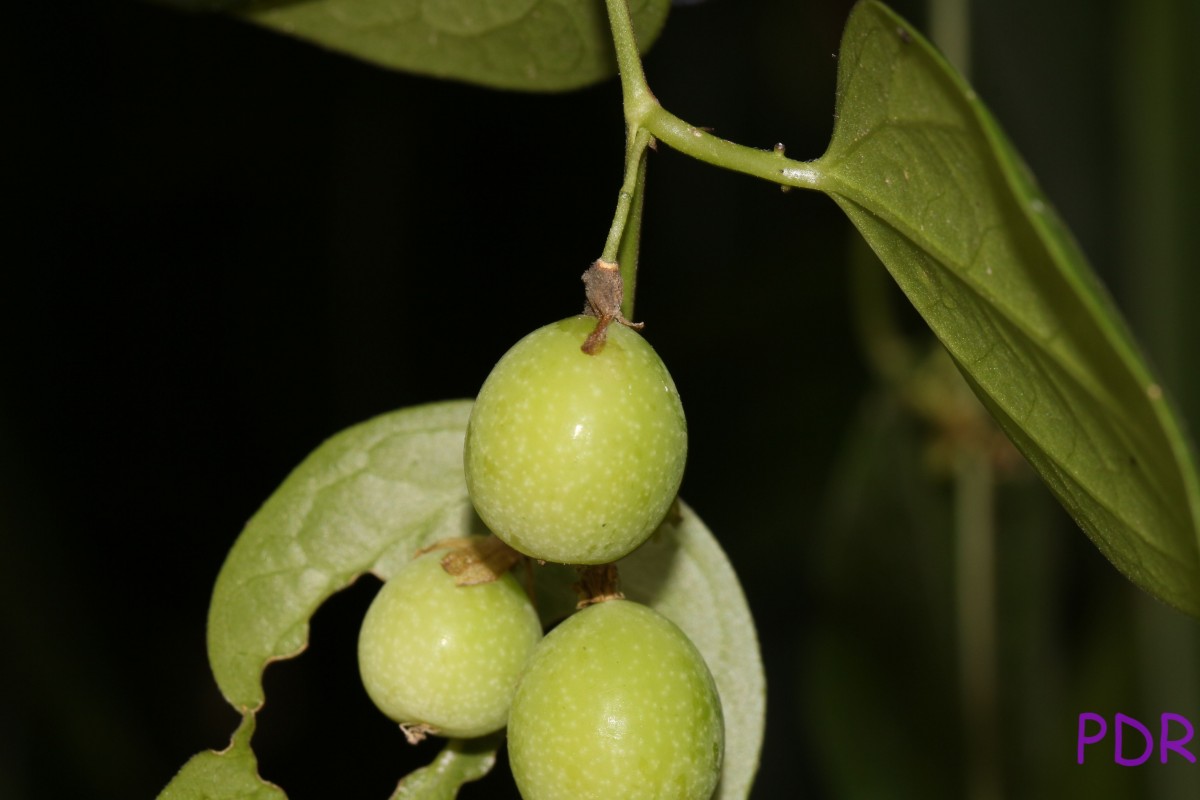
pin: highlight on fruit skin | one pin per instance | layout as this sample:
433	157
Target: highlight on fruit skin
616	702
442	658
576	458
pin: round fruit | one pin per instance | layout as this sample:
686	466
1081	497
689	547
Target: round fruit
616	702
446	657
576	458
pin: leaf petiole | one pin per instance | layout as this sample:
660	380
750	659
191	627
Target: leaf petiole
643	112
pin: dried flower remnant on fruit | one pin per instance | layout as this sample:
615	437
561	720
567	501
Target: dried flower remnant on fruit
440	658
605	290
415	732
598	584
575	458
474	561
616	702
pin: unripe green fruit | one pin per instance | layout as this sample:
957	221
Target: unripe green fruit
576	458
444	656
616	703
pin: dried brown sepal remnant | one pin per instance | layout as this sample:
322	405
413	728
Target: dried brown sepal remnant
475	560
415	732
598	584
604	290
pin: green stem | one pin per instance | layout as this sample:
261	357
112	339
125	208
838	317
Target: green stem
950	30
770	165
627	255
642	111
976	590
635	157
629	61
646	120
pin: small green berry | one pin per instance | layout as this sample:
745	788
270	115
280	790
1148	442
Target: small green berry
616	702
576	458
434	655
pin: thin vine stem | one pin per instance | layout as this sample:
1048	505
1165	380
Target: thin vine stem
627	255
646	120
634	89
643	111
975	533
770	165
635	154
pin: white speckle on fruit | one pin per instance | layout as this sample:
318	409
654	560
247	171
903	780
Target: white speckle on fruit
616	703
562	444
447	657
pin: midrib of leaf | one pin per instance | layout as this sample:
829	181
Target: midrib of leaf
1046	351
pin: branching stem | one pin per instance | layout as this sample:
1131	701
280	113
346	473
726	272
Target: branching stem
646	121
643	112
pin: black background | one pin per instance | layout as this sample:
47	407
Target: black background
230	245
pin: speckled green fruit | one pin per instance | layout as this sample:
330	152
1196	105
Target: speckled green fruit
616	703
576	458
446	656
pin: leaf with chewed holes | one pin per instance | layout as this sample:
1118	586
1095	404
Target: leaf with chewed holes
365	501
232	772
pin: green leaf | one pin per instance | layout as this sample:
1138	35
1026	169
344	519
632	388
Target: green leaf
231	773
532	45
932	183
460	761
364	501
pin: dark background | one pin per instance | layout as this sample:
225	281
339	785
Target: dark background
230	245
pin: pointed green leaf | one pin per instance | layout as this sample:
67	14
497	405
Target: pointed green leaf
531	45
364	501
461	761
230	773
930	180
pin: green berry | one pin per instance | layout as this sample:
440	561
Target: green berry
436	655
616	702
576	458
